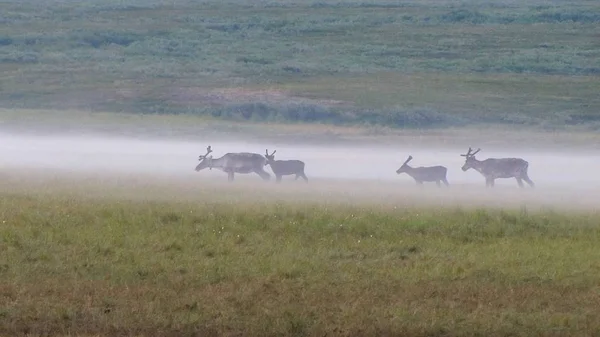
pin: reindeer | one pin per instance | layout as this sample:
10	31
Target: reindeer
422	174
494	168
285	167
231	163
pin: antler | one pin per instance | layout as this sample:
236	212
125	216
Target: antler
208	151
467	154
267	152
470	153
407	160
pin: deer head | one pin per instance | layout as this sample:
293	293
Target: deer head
270	157
205	160
469	159
404	166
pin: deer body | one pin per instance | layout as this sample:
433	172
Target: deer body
285	167
498	168
425	174
232	163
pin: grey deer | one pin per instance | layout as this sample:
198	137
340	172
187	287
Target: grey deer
494	168
285	167
422	174
231	163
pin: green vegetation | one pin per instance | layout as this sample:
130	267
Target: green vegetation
427	63
81	266
119	255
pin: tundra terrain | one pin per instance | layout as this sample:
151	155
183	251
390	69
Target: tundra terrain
106	229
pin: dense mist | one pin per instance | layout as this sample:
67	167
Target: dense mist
178	158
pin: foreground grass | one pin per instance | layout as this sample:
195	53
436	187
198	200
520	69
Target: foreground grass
99	267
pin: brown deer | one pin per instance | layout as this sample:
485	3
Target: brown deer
285	167
422	174
231	163
495	168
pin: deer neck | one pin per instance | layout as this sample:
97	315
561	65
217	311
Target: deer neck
477	165
216	163
409	170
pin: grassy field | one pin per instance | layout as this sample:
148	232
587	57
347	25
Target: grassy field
414	64
80	260
99	253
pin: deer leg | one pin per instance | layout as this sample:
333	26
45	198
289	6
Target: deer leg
278	179
230	176
530	182
301	175
263	174
445	181
489	182
438	183
527	180
520	182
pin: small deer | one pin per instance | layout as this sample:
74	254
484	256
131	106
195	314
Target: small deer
285	167
494	168
422	174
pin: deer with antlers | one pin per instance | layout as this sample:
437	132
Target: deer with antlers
425	174
495	168
231	163
285	167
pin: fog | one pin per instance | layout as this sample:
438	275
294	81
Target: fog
128	155
569	171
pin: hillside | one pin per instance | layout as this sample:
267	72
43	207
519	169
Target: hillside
428	63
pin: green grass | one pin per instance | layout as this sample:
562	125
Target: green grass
100	266
414	64
199	127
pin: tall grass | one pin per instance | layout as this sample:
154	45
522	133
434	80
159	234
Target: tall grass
72	266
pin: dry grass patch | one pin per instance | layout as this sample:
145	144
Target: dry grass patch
73	266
